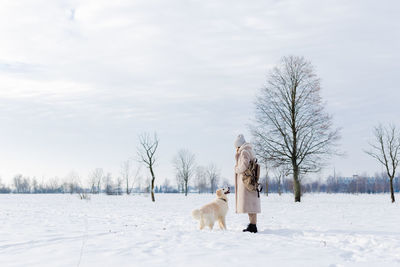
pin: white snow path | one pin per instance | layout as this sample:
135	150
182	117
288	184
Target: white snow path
322	230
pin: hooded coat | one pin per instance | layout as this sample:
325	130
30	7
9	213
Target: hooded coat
246	201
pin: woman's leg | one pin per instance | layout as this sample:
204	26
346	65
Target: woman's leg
252	227
253	218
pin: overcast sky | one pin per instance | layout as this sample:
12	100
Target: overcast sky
79	80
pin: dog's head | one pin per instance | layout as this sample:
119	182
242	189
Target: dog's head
222	192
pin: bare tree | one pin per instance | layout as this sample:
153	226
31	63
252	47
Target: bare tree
128	176
36	188
4	189
22	184
213	176
118	187
71	183
146	152
291	126
166	188
74	185
138	182
386	149
147	182
95	179
180	183
280	174
53	185
82	192
137	178
108	184
126	173
201	179
17	181
184	163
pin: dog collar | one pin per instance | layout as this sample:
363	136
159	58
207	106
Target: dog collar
222	199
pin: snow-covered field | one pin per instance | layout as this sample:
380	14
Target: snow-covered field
323	230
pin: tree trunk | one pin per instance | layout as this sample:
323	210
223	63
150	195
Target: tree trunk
186	188
266	181
152	184
391	189
296	184
279	188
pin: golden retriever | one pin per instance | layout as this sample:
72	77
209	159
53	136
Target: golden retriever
214	211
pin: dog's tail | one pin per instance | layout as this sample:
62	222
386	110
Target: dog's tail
196	214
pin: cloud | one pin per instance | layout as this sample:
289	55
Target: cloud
70	13
188	69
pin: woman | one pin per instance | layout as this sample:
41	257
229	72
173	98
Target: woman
246	201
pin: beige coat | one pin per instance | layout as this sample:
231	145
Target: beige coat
246	201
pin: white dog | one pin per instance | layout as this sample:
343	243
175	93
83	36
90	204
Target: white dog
214	211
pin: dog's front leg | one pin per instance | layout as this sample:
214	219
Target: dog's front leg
222	224
202	224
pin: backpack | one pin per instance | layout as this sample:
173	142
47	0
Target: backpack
251	177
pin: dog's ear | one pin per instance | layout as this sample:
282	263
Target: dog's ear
219	192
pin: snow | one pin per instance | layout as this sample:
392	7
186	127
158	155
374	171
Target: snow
322	230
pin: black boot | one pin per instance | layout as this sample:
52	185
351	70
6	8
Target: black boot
252	228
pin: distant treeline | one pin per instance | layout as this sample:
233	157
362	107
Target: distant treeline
106	184
355	184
